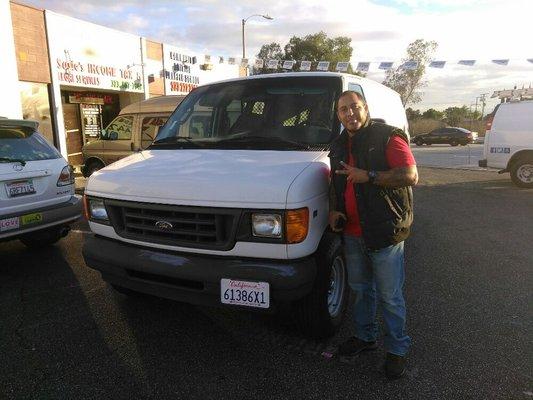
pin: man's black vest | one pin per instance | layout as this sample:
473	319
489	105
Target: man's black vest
385	214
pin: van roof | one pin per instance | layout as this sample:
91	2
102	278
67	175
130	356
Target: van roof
153	105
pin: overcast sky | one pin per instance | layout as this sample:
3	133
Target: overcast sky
380	30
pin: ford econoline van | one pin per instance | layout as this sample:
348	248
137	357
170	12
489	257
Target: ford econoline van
132	130
233	210
509	142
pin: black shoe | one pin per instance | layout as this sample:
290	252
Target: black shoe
354	346
394	366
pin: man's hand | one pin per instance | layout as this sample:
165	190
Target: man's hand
333	217
353	175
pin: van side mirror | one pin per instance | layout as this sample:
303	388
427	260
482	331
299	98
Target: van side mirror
102	135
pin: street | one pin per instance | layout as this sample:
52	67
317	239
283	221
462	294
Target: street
66	334
444	155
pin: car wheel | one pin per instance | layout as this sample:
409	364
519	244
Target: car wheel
321	312
419	142
454	143
522	173
44	238
92	167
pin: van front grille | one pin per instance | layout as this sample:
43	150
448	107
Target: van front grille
183	226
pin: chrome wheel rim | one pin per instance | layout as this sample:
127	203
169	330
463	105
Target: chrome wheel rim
525	173
337	284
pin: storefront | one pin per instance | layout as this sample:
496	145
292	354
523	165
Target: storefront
96	71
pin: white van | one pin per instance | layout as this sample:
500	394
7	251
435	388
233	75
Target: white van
234	213
509	143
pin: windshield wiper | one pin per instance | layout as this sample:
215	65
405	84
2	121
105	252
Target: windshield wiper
7	159
176	140
262	140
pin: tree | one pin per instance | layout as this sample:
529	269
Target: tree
412	115
433	114
455	115
408	82
314	48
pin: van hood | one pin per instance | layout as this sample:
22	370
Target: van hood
221	178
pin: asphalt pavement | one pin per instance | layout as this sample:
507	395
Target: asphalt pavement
65	334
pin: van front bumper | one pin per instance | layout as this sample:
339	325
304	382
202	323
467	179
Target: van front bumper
194	278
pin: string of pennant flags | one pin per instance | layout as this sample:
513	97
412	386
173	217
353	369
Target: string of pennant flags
342	66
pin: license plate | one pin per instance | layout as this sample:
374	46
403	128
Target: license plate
31	218
9	223
245	293
20	188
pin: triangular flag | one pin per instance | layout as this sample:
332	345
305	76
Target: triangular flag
501	61
363	66
305	65
468	63
288	64
342	66
386	65
322	66
259	63
530	60
409	65
437	64
272	64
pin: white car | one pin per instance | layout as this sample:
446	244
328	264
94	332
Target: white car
37	200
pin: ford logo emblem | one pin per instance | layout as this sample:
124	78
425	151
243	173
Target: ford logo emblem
18	167
164	225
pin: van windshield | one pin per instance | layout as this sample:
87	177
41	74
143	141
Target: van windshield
272	113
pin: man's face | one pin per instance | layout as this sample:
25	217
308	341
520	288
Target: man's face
352	112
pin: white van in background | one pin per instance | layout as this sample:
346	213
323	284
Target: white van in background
509	143
235	213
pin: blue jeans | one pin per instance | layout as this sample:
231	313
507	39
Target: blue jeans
378	277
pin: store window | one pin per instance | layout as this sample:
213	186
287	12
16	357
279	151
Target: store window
36	106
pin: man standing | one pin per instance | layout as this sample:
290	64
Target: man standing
371	201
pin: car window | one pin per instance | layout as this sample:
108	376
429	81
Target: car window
120	128
437	132
148	125
24	144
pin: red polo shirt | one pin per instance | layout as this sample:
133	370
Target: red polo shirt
398	154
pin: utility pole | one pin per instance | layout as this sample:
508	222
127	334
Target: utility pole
483	103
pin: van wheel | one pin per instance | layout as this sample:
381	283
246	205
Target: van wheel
92	167
321	312
522	173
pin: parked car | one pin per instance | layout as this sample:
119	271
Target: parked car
37	200
449	135
132	130
479	140
509	142
234	214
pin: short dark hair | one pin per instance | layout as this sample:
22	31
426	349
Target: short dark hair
347	92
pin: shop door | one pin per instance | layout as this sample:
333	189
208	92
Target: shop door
73	131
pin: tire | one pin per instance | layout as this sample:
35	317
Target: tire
419	142
522	173
92	167
454	143
44	238
321	312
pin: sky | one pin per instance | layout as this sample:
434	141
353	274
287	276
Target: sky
380	31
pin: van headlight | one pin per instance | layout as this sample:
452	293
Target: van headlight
96	210
267	225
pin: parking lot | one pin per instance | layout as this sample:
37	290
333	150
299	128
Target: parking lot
444	155
65	334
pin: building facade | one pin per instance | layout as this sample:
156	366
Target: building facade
74	77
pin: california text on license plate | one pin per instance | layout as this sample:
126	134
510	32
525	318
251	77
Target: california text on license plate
20	188
245	293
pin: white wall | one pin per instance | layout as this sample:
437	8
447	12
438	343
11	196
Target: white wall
10	104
